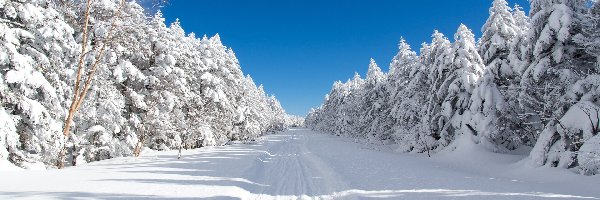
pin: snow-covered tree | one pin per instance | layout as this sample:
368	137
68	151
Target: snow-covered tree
528	81
554	60
493	107
408	99
576	139
36	51
498	32
101	128
352	106
343	111
520	54
435	57
153	86
590	33
465	67
373	102
558	63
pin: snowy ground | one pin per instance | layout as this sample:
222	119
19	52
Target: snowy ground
301	164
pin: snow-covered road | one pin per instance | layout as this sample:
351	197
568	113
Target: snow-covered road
296	164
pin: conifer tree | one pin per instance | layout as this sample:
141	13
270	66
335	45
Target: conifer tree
407	109
464	69
371	99
435	58
493	108
143	84
556	66
36	51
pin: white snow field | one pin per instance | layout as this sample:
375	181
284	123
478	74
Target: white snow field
302	164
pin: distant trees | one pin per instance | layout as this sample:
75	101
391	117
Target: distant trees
142	84
527	82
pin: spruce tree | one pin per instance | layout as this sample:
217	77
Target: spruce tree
493	110
558	63
435	58
408	98
464	69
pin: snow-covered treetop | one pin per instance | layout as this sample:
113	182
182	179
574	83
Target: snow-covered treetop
337	85
499	13
439	39
498	32
403	46
464	52
356	81
425	49
216	40
521	19
356	76
158	18
404	60
374	74
177	29
438	47
464	38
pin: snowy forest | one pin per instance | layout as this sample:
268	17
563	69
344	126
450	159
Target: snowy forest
530	83
133	81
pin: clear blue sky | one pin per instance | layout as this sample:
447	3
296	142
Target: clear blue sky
297	49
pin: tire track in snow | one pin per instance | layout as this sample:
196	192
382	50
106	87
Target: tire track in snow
291	170
296	164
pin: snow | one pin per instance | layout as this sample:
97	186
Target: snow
577	119
6	166
35	111
118	72
8	136
579	122
29	12
36	166
589	156
302	164
208	138
96	128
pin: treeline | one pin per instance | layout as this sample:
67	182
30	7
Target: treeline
154	85
529	81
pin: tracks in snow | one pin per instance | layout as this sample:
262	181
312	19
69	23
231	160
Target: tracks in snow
296	164
290	168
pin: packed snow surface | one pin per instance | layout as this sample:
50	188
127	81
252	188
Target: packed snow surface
302	164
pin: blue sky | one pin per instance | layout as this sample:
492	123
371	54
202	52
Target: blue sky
297	49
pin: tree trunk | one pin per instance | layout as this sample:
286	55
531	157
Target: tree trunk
79	92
